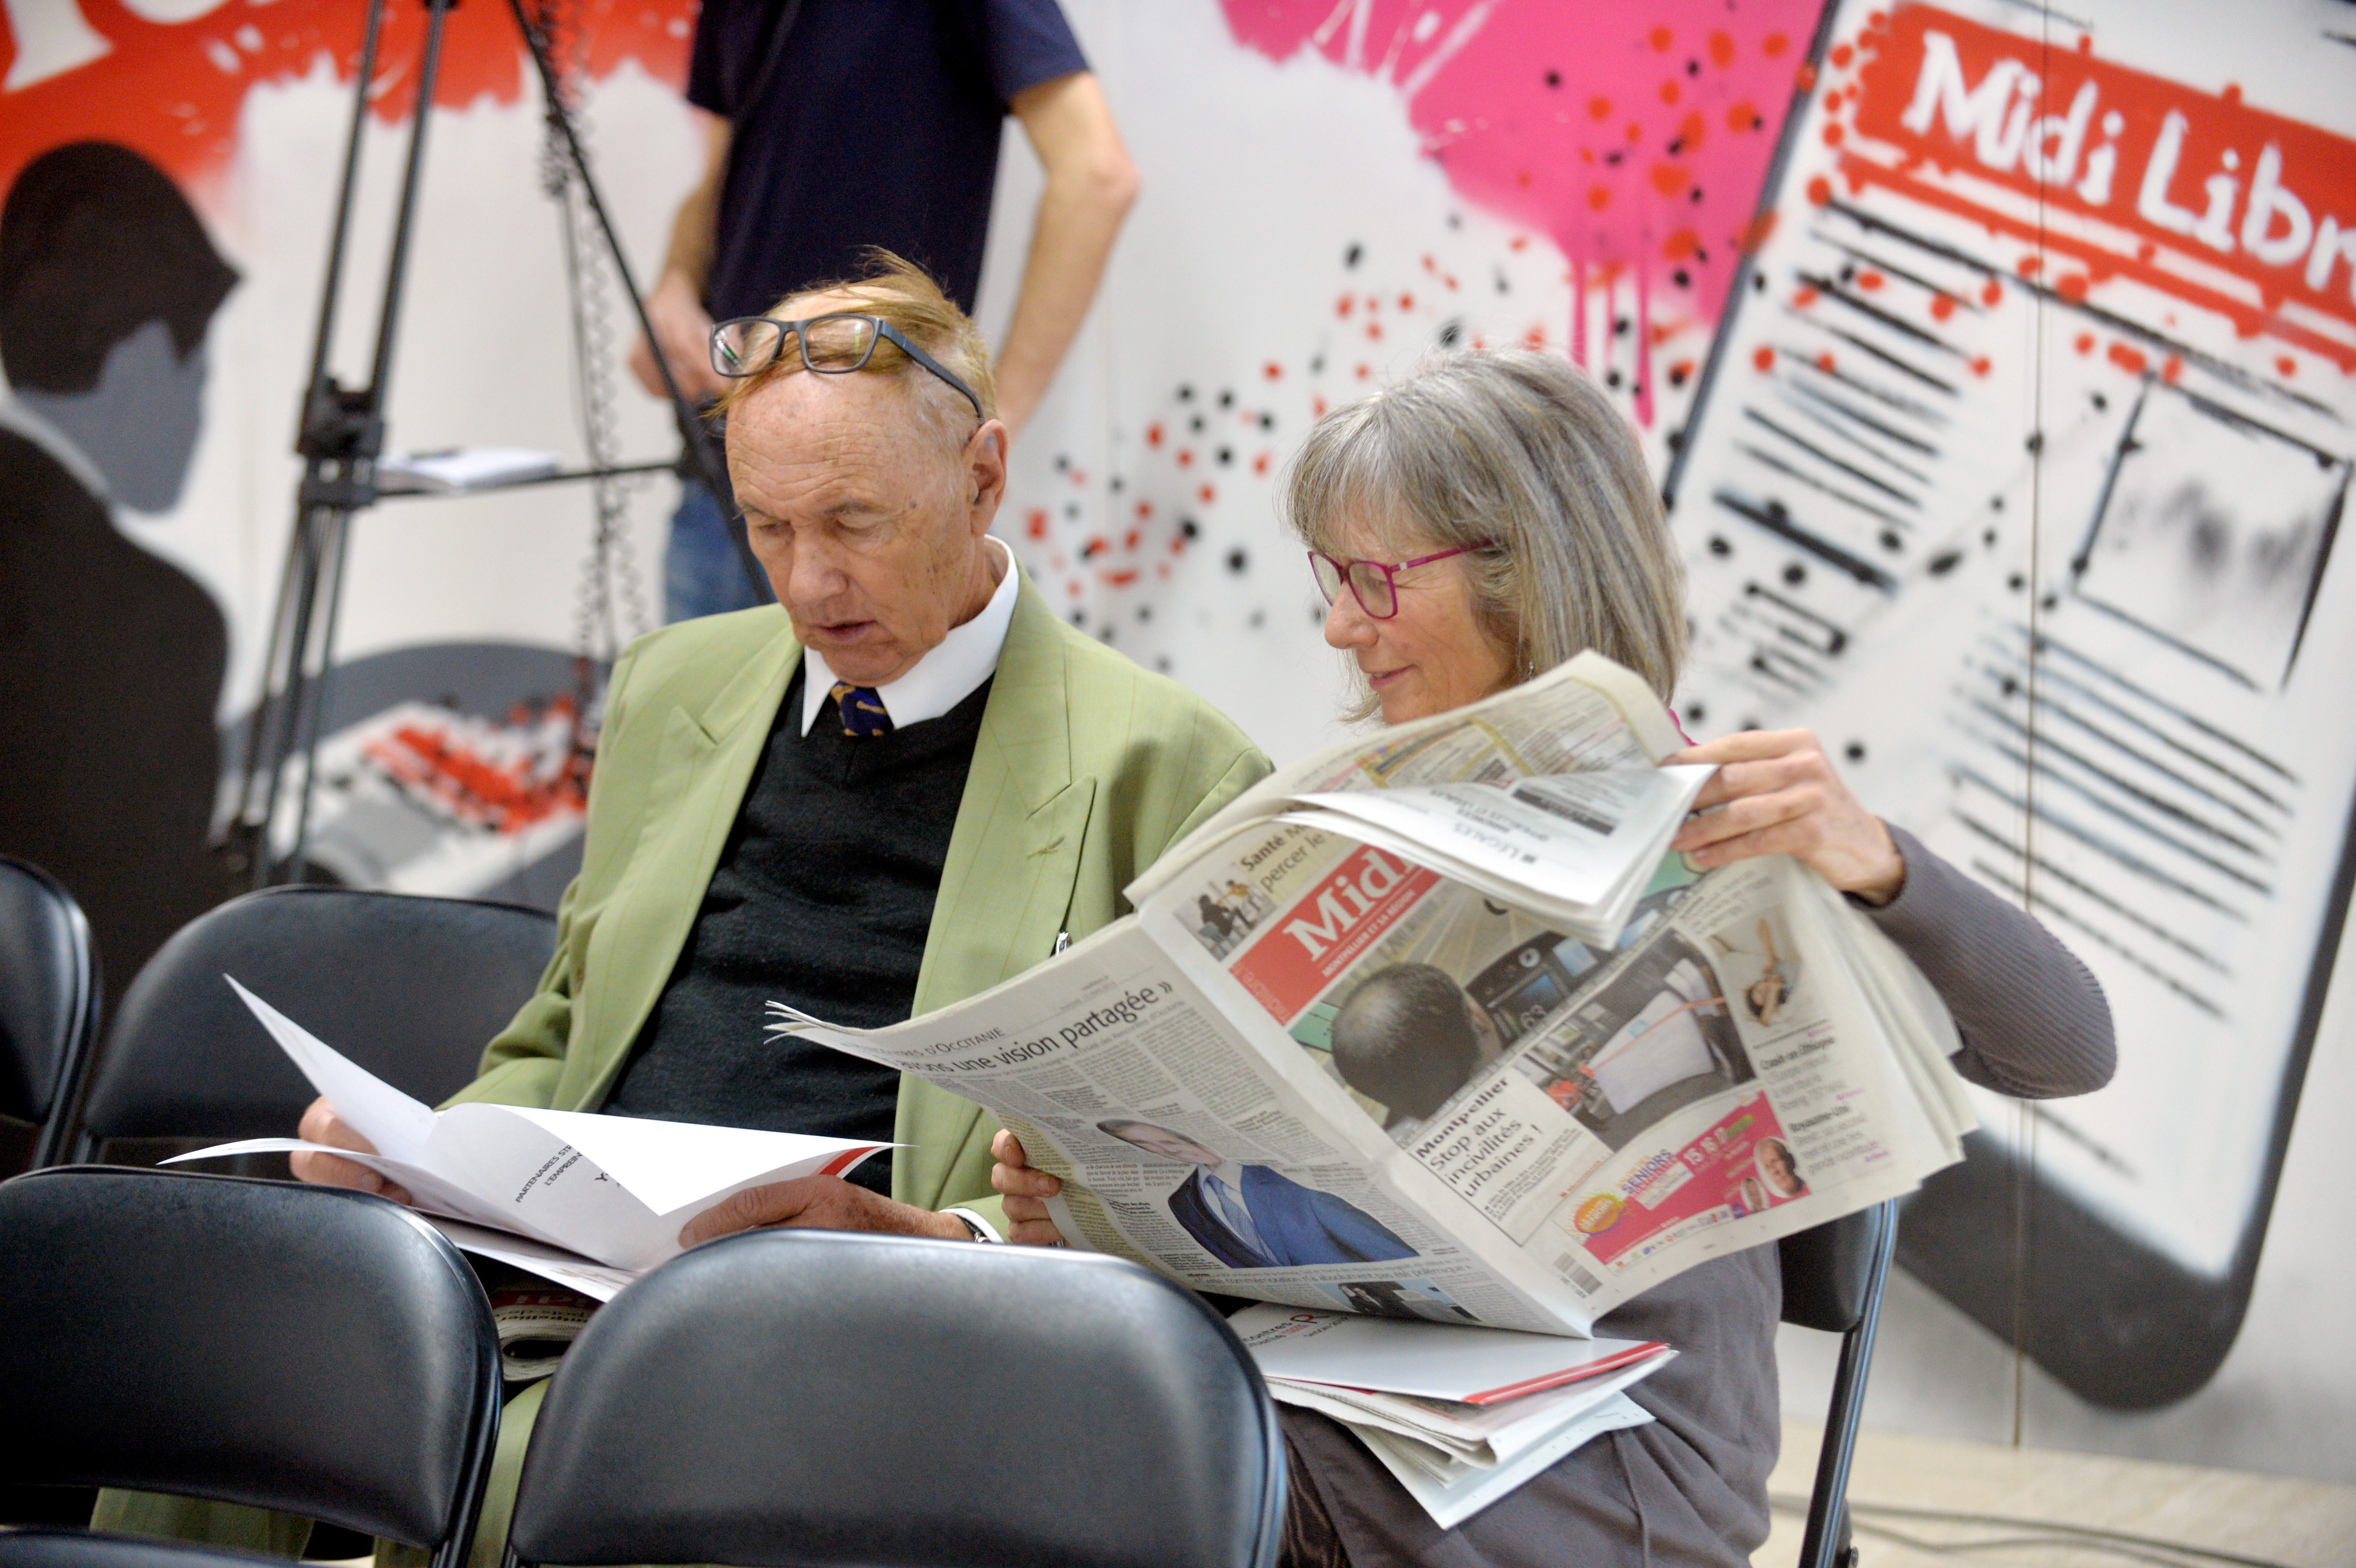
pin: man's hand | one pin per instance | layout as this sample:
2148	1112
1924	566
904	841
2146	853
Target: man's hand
684	329
1026	1191
818	1203
320	1125
1781	796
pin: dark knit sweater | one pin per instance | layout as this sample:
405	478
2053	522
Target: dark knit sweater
823	899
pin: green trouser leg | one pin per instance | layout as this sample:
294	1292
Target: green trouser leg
284	1535
498	1494
208	1523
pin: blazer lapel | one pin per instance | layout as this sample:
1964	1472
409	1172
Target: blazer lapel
704	766
1006	886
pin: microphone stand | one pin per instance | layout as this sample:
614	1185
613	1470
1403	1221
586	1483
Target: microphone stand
341	435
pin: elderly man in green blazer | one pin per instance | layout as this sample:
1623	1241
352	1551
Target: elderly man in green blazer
903	787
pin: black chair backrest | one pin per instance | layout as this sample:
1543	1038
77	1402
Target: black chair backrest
412	989
307	1349
801	1397
48	1002
1828	1271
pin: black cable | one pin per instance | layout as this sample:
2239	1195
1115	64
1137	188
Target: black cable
2138	1548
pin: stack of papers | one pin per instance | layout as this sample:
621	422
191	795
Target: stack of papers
462	468
1460	1416
558	1193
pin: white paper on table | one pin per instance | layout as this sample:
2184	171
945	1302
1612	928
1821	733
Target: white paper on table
1450	1503
1435	1360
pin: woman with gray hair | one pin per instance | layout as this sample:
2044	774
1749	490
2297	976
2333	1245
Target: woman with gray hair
1482	521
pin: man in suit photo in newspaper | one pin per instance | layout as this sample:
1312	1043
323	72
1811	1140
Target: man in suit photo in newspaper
1260	1219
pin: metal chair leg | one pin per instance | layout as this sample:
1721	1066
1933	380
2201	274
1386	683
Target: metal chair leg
1827	1543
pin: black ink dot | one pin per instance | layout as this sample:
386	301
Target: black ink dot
1613	158
2101	403
1258	619
1747	724
1185	394
1226	455
1317	365
1720	546
2010	686
1071	509
1611	380
1620	328
1227	399
1554	79
1089	551
1106	634
1063	464
1195	424
1681	278
1189	528
1891	541
1676	375
1268	421
1353	255
2051	601
1988	538
1116	484
1694	196
1758	282
1695	712
1995	503
1080	617
1162	664
1452	333
1145	612
1676	146
1317	615
2016	582
1795	574
1848	271
2036	441
1944	563
1693	68
1237	561
1456	221
1674	441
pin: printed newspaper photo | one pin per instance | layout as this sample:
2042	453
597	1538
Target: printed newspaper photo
1345	1059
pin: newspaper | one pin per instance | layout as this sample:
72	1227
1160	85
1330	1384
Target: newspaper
1363	1047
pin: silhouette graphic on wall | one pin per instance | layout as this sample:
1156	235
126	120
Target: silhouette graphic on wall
108	283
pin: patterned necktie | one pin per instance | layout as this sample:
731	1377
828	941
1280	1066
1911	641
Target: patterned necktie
862	710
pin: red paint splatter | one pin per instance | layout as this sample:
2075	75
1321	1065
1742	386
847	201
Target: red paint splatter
1669	179
1942	306
1670	92
1981	366
1763	358
2128	359
1870	280
1153	435
2071	286
2085	344
1208	494
2029	265
1721	49
1272	370
2286	366
1260	463
1743	117
1598	108
1820	191
1036	523
1662	38
1841	54
1805	296
1144	509
1186	457
2173	370
1824	363
1992	294
159	90
1774	44
1344	306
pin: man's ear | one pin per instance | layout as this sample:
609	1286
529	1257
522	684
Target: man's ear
985	468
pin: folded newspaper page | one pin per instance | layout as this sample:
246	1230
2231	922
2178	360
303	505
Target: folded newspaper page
616	1190
1366	1067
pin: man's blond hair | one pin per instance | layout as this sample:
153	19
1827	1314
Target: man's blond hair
904	294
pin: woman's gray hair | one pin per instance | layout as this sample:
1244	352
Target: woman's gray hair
1520	448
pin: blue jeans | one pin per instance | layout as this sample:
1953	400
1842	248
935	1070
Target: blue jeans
702	574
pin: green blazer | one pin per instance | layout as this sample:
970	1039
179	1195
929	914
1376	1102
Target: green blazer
1086	769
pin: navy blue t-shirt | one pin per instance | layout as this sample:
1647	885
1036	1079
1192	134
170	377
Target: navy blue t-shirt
879	126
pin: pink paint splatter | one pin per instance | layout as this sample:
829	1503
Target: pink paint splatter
1636	137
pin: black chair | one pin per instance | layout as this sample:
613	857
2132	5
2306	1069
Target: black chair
816	1398
412	989
307	1349
49	1004
1832	1280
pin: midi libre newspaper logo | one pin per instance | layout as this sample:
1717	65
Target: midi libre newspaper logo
1328	929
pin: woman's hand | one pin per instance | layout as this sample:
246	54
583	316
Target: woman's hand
1779	796
1026	1192
818	1203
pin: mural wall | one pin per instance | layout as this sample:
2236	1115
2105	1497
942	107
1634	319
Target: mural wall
2000	366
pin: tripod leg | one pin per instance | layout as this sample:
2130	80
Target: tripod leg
691	433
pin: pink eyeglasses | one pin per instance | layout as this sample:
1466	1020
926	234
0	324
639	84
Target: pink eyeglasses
1373	581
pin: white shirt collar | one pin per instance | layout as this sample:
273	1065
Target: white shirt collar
947	674
17	416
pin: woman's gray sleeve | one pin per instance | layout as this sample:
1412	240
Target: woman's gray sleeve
2034	1021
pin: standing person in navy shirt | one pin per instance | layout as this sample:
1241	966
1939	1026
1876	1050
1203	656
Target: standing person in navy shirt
833	125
